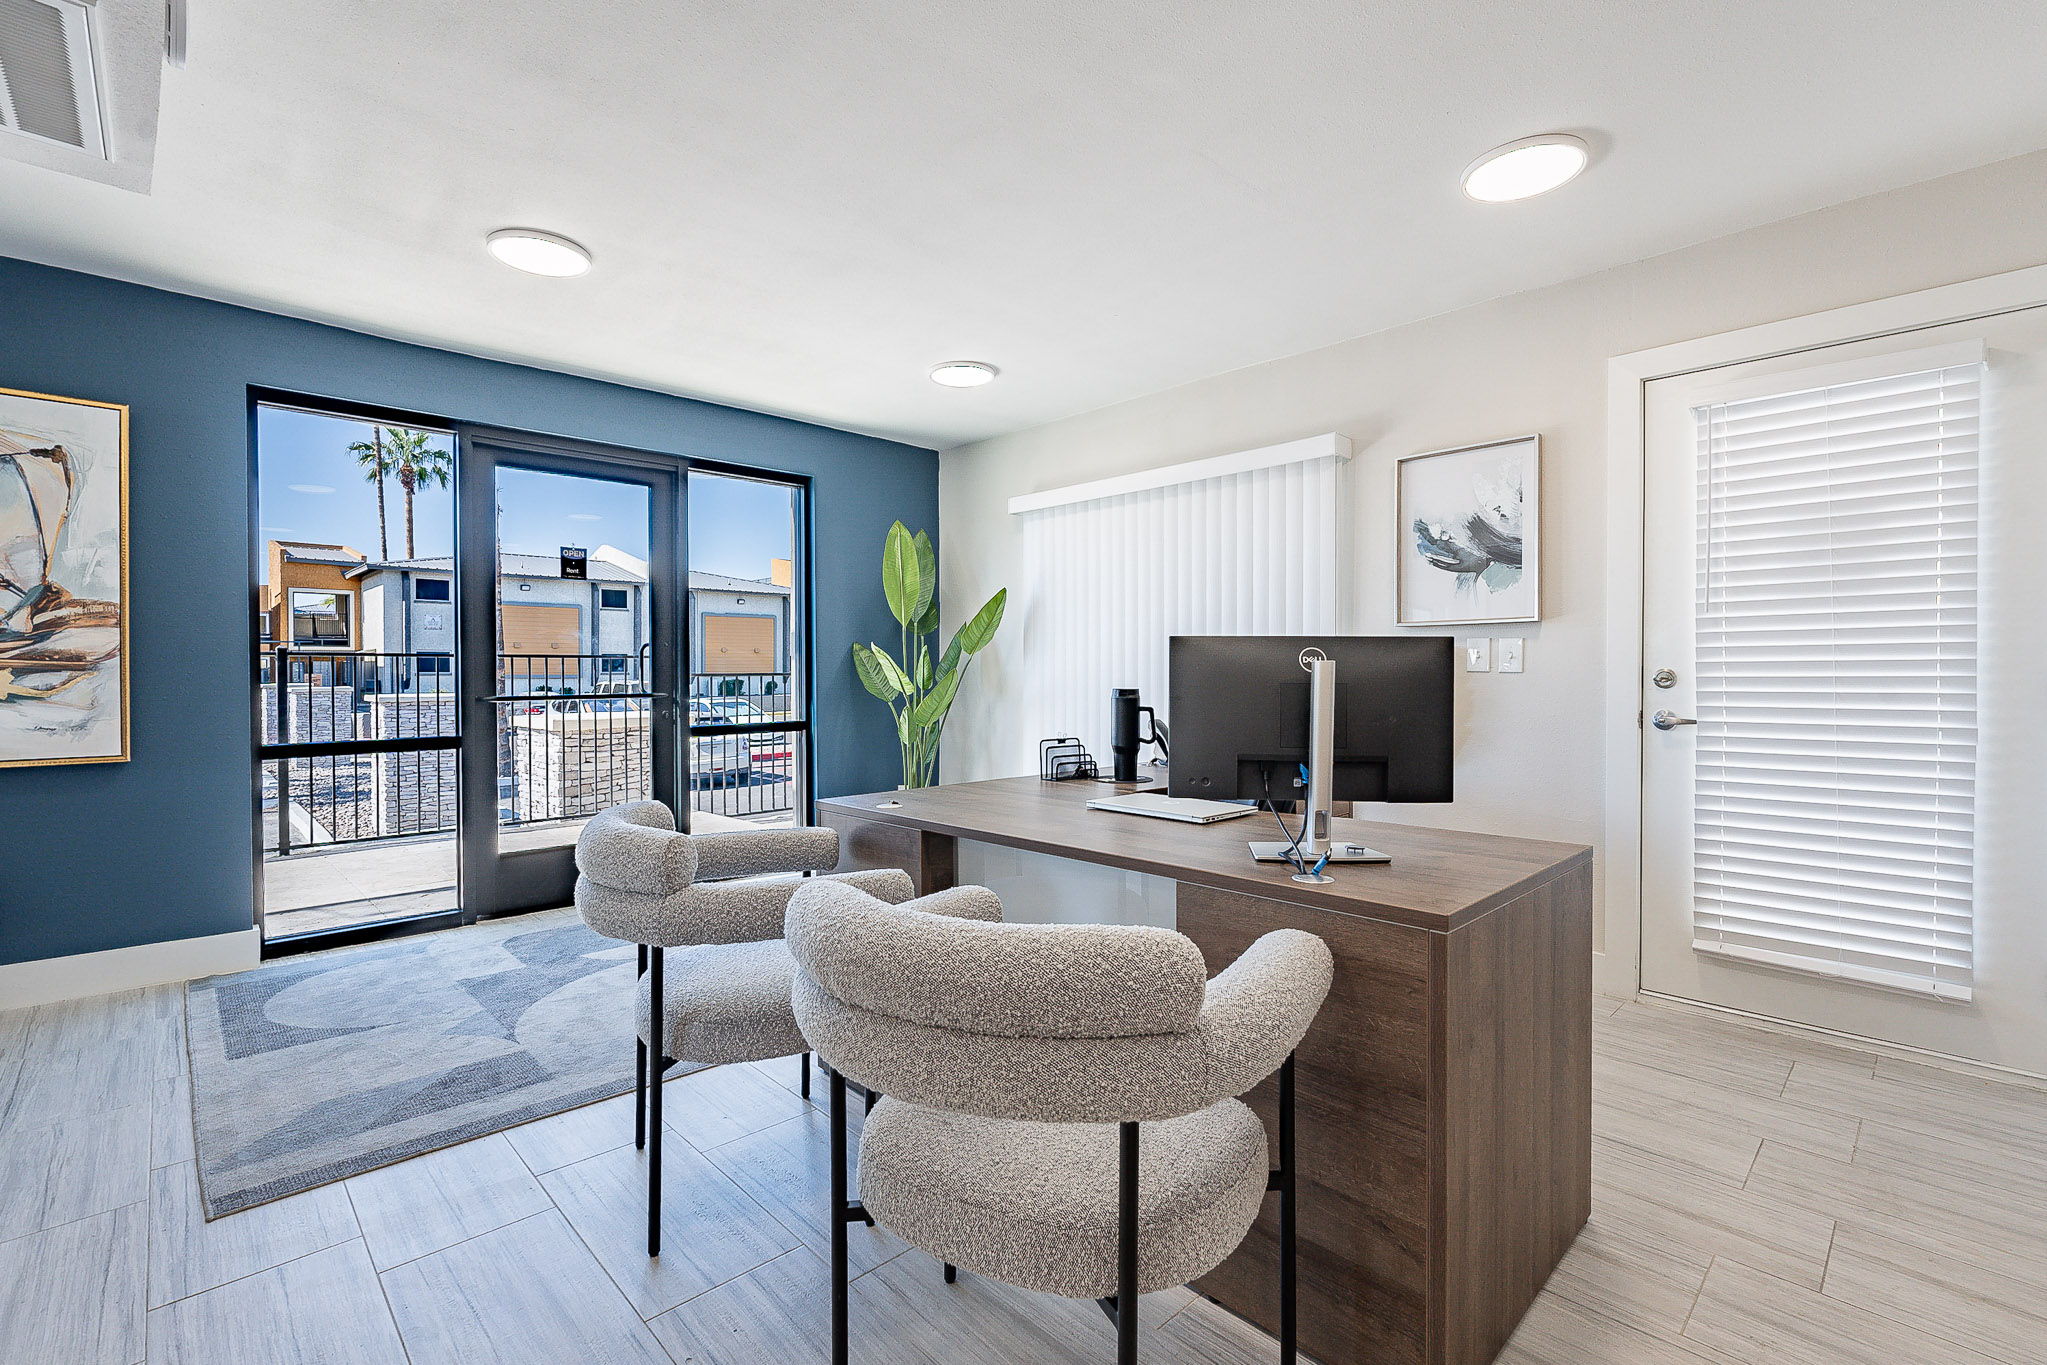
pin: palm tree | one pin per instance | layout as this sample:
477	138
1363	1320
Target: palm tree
418	463
376	465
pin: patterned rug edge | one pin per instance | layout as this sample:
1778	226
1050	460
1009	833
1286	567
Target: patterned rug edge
221	1203
241	1200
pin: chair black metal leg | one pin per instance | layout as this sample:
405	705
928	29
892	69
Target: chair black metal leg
806	1075
952	1273
640	1075
1288	1237
658	1034
840	1344
1126	1246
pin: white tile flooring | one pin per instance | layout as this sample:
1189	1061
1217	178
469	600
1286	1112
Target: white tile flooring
1758	1198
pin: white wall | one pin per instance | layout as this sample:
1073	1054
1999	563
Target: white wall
1529	746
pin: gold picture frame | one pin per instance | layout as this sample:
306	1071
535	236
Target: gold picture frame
65	693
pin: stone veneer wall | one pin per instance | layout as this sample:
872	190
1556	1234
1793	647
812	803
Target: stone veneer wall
578	765
318	714
414	792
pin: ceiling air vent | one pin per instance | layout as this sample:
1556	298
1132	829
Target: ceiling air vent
49	87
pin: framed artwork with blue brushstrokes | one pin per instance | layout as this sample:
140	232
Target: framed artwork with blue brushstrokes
63	580
1470	534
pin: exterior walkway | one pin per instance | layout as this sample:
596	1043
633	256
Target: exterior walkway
340	886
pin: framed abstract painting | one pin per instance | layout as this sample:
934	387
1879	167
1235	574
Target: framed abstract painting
63	580
1470	534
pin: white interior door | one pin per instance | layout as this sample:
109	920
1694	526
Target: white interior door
1846	564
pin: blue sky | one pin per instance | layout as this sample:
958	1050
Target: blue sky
312	489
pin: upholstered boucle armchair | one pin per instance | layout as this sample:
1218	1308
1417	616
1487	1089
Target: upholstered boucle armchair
726	998
1061	1108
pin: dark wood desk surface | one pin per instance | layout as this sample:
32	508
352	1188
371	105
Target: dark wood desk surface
1438	879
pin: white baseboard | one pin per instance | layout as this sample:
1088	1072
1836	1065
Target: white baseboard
123	969
1614	976
1944	1061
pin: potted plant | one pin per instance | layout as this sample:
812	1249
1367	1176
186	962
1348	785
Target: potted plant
919	685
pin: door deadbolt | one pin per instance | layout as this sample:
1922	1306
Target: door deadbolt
1664	678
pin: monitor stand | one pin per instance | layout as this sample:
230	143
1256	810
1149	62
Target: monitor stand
1314	844
1279	851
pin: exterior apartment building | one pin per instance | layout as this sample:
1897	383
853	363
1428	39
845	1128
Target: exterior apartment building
346	601
559	633
309	597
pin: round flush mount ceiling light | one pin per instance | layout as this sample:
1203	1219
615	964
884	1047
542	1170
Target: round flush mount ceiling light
537	252
963	374
1524	169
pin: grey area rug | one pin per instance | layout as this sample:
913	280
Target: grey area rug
312	1069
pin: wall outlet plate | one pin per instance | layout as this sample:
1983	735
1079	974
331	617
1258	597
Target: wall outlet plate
1478	656
1510	654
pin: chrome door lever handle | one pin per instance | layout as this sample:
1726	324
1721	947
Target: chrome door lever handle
1670	720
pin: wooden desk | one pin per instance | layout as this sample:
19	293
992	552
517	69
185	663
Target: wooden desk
1445	1092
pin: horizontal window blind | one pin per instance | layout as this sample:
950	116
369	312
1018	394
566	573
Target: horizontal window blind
1110	579
1836	658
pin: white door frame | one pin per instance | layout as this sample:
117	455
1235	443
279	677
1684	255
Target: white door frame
1618	968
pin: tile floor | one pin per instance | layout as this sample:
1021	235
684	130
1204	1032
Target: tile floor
1758	1198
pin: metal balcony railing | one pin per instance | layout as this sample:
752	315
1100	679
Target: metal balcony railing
363	745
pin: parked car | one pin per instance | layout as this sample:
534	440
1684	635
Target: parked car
717	758
740	711
595	706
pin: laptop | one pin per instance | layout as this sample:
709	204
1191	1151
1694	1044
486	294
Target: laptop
1160	807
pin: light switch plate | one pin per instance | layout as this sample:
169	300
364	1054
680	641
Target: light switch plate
1510	654
1478	656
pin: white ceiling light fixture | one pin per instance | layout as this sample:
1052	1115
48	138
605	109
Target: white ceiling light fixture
963	374
539	253
1524	169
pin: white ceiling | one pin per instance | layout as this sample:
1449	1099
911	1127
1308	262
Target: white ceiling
802	207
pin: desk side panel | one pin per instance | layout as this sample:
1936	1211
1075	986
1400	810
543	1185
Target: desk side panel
1362	1135
1517	1121
930	859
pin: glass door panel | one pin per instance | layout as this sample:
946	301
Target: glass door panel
573	649
573	659
748	712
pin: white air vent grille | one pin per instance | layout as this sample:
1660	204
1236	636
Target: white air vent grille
48	85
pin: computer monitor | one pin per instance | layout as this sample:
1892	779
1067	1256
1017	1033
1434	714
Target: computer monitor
1239	716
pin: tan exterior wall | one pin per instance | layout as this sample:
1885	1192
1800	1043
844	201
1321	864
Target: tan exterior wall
286	574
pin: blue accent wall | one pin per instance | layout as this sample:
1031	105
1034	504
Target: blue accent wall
108	855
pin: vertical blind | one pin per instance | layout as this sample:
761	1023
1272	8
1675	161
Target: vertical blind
1112	578
1836	657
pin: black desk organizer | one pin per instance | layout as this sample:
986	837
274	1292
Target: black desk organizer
1066	760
